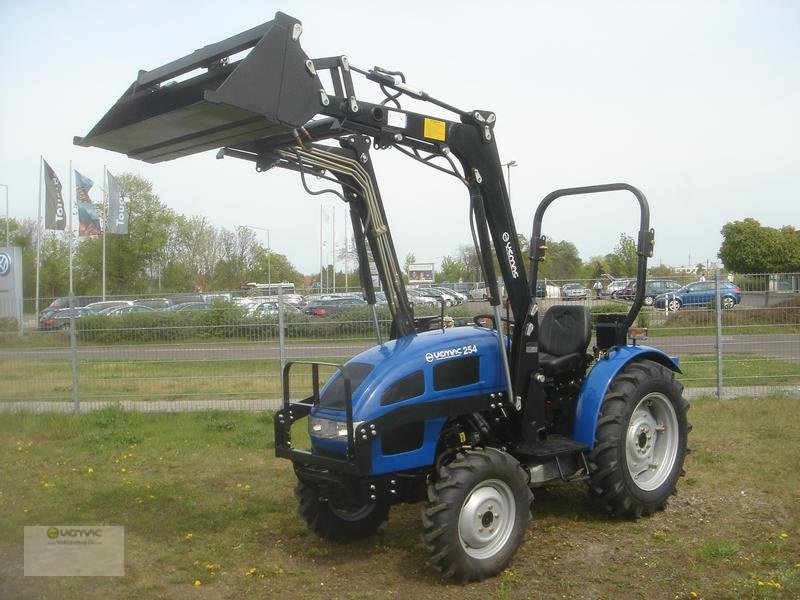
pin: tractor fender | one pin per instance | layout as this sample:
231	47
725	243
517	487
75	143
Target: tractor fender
599	379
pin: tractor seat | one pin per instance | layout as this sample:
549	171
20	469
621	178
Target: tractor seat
564	335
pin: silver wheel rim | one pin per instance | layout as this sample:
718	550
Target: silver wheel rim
727	302
487	518
651	442
674	305
648	301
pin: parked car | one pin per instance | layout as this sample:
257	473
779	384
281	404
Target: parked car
438	296
63	301
574	291
189	306
700	293
270	307
154	303
96	307
334	306
116	311
653	288
614	288
479	292
59	318
421	299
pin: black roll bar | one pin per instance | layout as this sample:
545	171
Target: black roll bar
644	247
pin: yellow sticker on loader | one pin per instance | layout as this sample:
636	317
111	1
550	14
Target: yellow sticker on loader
434	129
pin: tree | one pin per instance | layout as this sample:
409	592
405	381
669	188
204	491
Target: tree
275	266
54	265
236	258
661	271
623	260
134	262
561	261
192	254
596	267
749	247
453	270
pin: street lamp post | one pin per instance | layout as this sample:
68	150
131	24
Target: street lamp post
269	253
508	165
8	242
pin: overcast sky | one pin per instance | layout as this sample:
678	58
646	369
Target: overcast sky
695	103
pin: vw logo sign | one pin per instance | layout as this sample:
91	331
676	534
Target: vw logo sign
5	264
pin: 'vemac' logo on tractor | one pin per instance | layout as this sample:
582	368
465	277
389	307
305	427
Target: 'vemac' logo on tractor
512	262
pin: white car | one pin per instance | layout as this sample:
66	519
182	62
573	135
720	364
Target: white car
574	291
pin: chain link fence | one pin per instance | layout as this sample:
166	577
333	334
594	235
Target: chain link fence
223	355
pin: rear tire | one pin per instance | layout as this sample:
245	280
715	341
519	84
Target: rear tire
640	443
648	300
728	302
336	521
476	515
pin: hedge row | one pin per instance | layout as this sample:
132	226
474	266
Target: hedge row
228	321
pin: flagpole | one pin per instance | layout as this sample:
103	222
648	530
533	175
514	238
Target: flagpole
70	231
320	248
333	247
73	342
346	250
39	232
105	226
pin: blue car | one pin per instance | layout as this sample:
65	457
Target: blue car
700	293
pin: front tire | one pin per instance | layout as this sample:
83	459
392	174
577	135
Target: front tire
476	515
674	305
336	520
648	300
640	443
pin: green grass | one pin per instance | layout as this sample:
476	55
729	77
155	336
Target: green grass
734	523
146	380
738	370
258	379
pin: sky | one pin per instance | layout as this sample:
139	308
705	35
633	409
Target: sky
697	104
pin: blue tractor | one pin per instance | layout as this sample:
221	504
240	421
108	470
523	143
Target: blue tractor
466	419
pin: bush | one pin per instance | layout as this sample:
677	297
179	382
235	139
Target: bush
8	325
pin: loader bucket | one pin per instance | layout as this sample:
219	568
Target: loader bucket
267	93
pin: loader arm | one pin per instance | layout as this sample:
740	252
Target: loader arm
271	107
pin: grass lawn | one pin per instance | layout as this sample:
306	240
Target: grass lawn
36	380
202	499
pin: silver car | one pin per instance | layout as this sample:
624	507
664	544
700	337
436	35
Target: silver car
574	291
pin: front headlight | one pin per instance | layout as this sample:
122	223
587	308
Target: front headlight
328	428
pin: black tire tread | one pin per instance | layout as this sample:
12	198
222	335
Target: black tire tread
440	515
608	487
325	523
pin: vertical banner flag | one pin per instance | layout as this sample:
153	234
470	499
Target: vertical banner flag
55	215
117	209
89	222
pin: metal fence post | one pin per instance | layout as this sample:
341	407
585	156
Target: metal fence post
281	337
718	311
73	345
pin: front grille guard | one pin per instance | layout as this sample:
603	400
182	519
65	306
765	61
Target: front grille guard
357	458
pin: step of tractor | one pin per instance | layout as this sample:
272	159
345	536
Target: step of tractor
555	445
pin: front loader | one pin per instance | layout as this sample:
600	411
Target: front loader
466	419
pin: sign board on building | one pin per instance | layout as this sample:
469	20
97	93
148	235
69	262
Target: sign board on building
11	284
420	273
